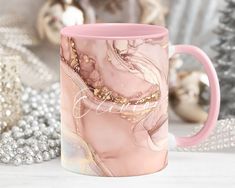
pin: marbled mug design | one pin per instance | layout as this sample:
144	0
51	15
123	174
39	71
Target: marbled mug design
114	105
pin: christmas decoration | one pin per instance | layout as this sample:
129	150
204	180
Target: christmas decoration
223	137
110	5
153	12
36	136
10	91
30	124
56	14
134	11
224	61
115	10
189	96
15	40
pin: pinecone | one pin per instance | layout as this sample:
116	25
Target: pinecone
225	59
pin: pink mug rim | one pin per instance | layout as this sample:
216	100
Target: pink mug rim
115	31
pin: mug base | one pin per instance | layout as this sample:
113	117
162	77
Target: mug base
73	170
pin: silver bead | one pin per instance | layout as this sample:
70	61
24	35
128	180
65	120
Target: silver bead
51	109
28	159
42	125
34	105
37	133
5	158
15	129
21	123
25	97
41	112
48	115
51	143
20	141
26	149
34	123
6	148
38	158
30	119
52	153
33	99
18	135
57	129
28	132
57	142
26	108
57	151
30	152
5	135
28	141
46	156
35	128
26	126
51	130
35	113
5	140
35	148
17	160
20	150
55	135
43	138
1	152
14	145
43	147
11	154
47	132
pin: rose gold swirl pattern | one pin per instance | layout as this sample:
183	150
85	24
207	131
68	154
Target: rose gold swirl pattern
84	66
100	142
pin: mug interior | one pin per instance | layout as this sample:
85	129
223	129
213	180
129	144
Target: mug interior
115	31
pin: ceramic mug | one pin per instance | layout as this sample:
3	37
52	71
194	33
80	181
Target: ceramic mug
114	98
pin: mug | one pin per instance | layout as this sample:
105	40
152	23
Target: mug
114	98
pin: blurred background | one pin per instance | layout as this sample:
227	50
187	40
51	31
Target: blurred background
29	49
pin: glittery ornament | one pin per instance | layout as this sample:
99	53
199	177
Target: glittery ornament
189	96
131	11
153	12
10	91
224	61
15	40
112	6
56	14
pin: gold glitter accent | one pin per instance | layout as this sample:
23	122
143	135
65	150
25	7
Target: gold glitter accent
85	58
103	93
74	61
10	91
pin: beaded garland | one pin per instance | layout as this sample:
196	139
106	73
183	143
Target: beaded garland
36	136
222	138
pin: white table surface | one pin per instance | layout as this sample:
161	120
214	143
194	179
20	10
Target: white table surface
197	170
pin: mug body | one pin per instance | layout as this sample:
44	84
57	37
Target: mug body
114	98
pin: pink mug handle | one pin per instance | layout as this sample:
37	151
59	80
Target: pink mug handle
214	94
